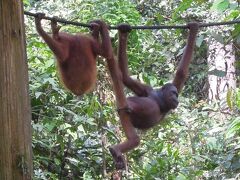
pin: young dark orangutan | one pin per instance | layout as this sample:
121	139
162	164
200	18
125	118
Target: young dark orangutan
149	106
76	54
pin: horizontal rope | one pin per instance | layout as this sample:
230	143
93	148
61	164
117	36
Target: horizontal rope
136	27
58	20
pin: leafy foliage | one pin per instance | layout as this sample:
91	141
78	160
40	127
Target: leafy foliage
71	134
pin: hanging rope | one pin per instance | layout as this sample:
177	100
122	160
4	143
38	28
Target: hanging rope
135	27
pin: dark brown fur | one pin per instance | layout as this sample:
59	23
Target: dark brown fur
78	72
76	54
149	106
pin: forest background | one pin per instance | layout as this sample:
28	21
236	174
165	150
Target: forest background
199	140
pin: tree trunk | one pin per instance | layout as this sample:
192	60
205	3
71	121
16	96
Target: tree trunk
222	76
15	117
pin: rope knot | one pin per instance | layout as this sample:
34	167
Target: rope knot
124	28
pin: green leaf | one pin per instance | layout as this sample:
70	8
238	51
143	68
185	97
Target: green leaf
199	40
238	97
57	161
234	14
38	94
217	72
229	98
220	5
218	37
26	2
236	32
236	164
182	7
50	125
181	177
